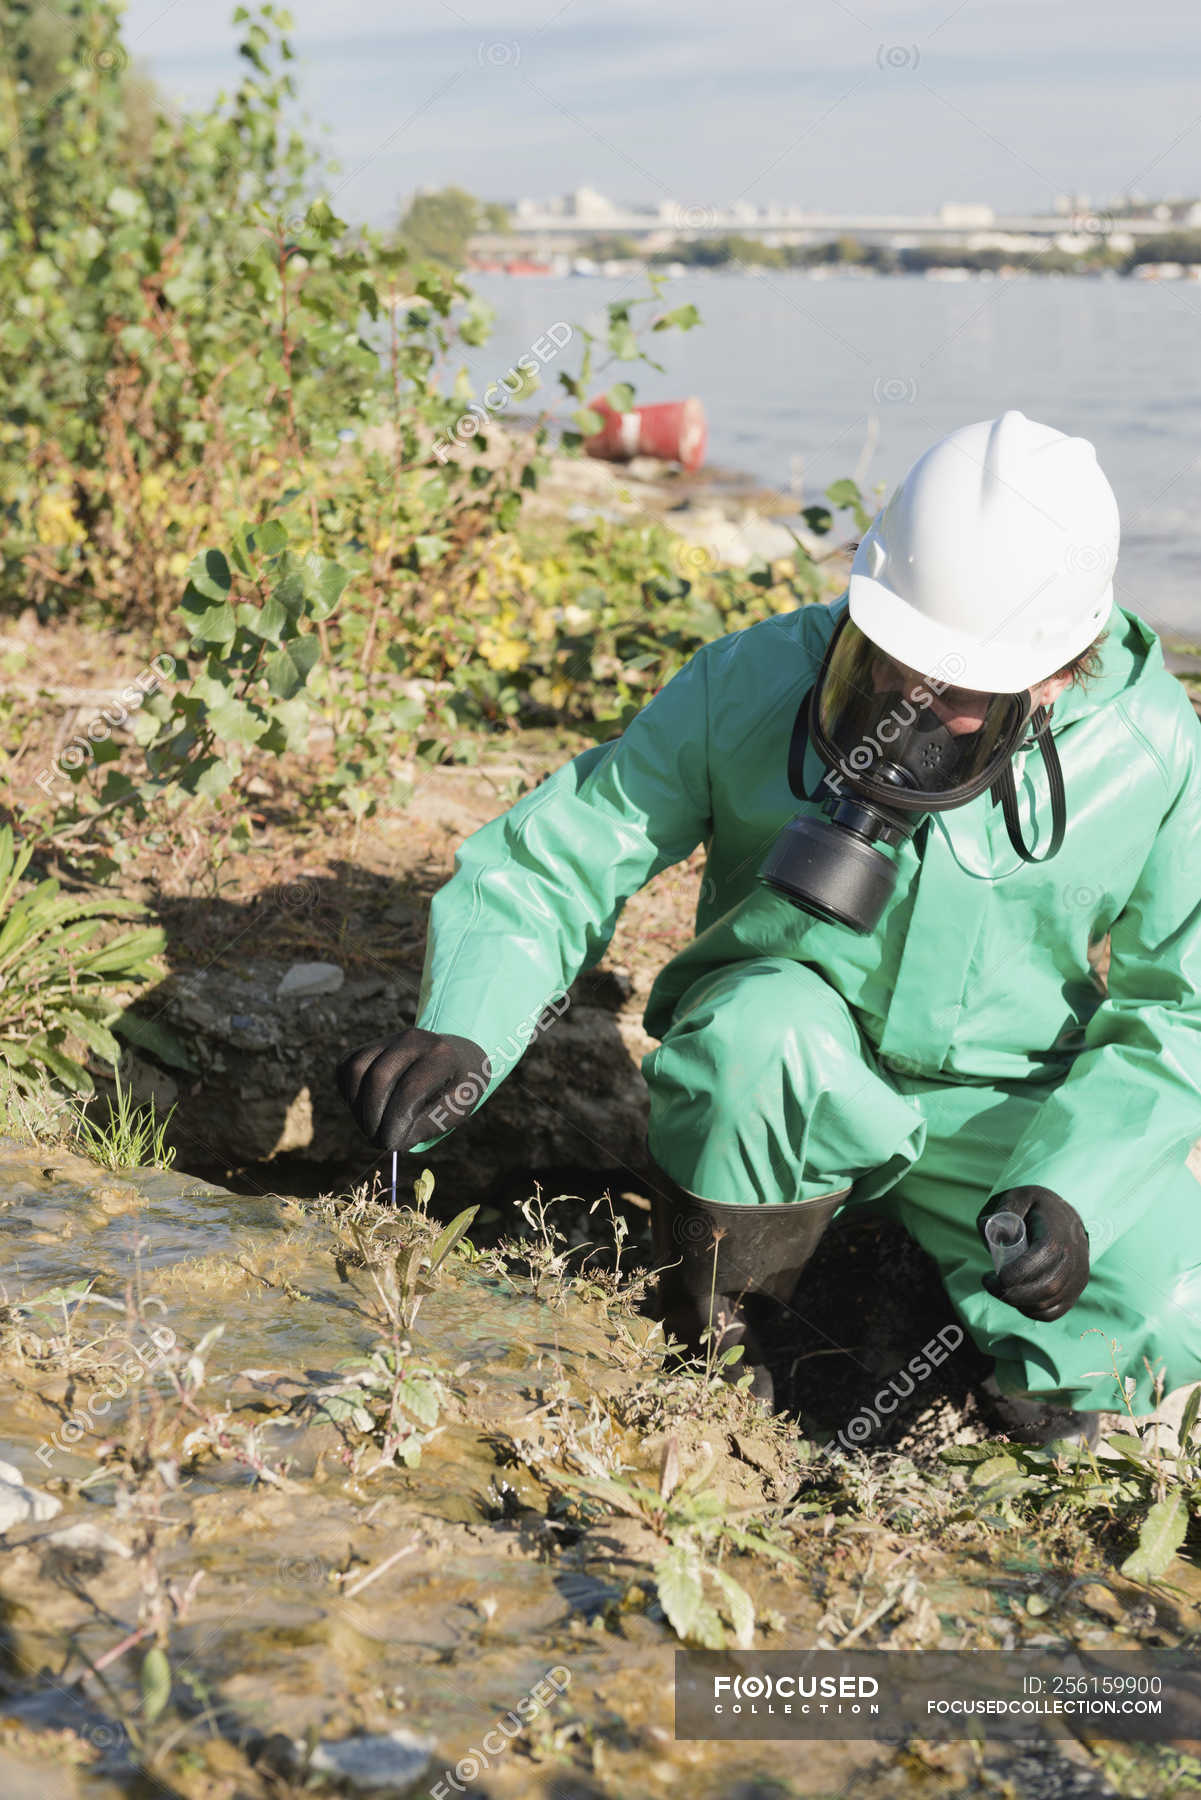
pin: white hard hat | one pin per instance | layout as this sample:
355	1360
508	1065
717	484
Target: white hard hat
992	564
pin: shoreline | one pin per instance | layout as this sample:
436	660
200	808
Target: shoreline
728	514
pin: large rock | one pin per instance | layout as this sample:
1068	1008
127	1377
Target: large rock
737	536
265	1049
21	1505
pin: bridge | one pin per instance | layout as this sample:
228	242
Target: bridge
543	230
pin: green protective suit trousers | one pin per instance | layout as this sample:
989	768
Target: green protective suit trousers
764	1089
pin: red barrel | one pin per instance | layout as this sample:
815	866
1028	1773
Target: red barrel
675	432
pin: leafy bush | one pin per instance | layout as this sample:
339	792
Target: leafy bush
60	975
254	402
213	338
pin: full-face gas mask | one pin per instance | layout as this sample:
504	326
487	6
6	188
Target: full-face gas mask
897	745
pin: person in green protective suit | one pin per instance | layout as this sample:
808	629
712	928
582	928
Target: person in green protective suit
940	1048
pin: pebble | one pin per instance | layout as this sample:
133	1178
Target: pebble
304	979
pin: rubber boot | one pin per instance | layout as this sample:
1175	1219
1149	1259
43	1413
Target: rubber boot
1025	1419
759	1250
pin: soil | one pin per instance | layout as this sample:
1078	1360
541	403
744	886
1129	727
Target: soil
318	1606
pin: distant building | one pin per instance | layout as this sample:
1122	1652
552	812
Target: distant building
959	215
591	208
566	223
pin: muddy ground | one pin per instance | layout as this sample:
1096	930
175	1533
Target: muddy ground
264	1575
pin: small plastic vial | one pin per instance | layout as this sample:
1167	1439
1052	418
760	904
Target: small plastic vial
1005	1235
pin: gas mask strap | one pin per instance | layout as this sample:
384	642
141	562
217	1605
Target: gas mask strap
798	744
1005	790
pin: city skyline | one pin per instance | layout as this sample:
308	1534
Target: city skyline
589	205
586	232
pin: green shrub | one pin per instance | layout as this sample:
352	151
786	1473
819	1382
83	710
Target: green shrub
62	972
248	400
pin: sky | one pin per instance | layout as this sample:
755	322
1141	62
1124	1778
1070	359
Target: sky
846	105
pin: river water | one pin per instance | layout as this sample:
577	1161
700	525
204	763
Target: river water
807	380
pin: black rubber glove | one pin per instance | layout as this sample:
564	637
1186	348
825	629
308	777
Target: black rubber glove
1051	1274
418	1085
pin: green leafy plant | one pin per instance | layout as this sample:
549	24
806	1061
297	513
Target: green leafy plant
62	972
252	615
404	1277
1128	1482
1160	1535
254	401
697	1524
393	1399
623	344
680	1579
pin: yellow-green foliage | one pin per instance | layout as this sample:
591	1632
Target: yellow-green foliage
61	970
212	384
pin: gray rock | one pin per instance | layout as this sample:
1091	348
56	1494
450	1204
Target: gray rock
305	979
648	468
85	1535
387	1762
21	1505
582	515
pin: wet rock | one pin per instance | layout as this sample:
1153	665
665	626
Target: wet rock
112	1198
1051	1776
286	1632
388	1762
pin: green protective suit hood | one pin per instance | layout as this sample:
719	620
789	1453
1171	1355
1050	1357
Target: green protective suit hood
978	974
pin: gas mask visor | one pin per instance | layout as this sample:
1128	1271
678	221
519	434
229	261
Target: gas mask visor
897	746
